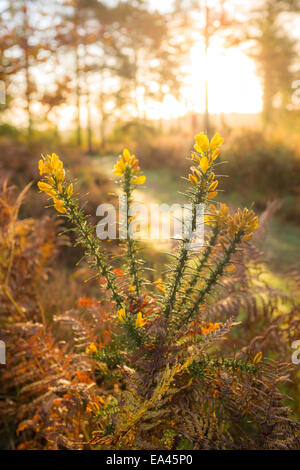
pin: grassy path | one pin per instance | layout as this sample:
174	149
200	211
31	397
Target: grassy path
282	244
161	187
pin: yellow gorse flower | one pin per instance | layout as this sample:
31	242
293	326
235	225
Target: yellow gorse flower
91	349
203	145
160	285
70	190
218	216
215	154
204	164
140	321
122	315
195	176
51	168
213	186
257	358
207	152
46	188
127	161
216	142
59	206
243	222
50	164
139	179
230	269
120	167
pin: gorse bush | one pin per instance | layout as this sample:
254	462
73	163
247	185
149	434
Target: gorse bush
196	358
175	387
265	168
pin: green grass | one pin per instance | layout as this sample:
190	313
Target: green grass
165	186
282	244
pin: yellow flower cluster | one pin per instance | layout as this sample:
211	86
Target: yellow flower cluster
129	161
243	222
210	185
218	216
51	168
207	154
195	176
50	164
203	145
139	322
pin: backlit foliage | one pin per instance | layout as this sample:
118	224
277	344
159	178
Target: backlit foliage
179	362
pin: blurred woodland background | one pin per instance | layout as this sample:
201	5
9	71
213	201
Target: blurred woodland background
86	78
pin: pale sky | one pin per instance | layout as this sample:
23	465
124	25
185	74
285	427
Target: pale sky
233	83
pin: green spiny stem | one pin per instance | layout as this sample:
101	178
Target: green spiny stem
198	197
215	274
91	246
131	244
134	335
179	270
205	255
198	368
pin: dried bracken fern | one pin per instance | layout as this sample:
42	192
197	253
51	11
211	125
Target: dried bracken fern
46	386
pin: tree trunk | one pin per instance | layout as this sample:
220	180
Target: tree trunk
102	104
78	132
88	104
89	125
28	95
102	122
27	72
